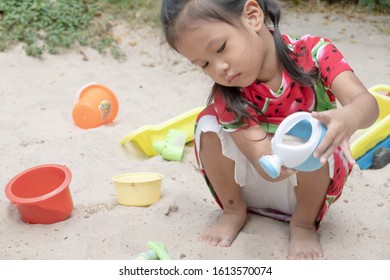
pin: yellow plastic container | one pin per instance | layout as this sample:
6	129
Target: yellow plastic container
138	189
145	136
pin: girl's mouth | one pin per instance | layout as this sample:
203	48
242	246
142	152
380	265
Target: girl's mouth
232	78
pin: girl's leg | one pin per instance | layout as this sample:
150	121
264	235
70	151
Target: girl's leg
220	172
310	192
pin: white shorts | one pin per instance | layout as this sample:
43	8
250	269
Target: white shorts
258	193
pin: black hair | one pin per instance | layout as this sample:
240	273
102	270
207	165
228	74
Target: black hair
229	11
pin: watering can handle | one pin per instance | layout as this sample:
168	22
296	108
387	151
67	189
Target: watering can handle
290	122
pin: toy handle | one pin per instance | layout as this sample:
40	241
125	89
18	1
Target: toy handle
297	125
288	123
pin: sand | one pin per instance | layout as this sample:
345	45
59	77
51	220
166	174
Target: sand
154	85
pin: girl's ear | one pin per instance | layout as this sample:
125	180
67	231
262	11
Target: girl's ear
253	15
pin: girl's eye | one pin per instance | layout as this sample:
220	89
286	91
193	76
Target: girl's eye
205	65
221	48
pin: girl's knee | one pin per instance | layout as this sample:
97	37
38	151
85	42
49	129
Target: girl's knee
315	177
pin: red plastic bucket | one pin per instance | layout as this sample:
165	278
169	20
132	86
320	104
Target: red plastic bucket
41	194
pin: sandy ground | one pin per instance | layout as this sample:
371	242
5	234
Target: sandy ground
154	85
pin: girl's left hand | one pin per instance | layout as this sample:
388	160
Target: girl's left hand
338	134
286	172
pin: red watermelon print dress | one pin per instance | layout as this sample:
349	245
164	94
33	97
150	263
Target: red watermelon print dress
312	52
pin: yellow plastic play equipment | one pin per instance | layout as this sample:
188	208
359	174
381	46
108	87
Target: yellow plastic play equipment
379	133
145	136
138	189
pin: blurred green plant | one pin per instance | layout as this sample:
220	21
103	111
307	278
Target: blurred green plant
47	25
135	11
378	5
381	5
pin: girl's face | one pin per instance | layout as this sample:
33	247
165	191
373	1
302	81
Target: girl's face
231	56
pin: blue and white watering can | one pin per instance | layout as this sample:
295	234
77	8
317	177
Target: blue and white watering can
299	157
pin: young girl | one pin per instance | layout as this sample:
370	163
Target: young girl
261	77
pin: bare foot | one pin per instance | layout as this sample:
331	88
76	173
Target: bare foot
225	230
304	244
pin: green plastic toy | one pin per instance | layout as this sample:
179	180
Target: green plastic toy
157	252
173	146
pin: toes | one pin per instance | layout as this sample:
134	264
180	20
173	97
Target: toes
315	255
225	242
215	240
209	239
292	257
318	255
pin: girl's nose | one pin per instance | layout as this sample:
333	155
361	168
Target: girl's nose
222	67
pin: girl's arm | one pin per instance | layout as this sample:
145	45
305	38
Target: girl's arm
250	143
359	110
